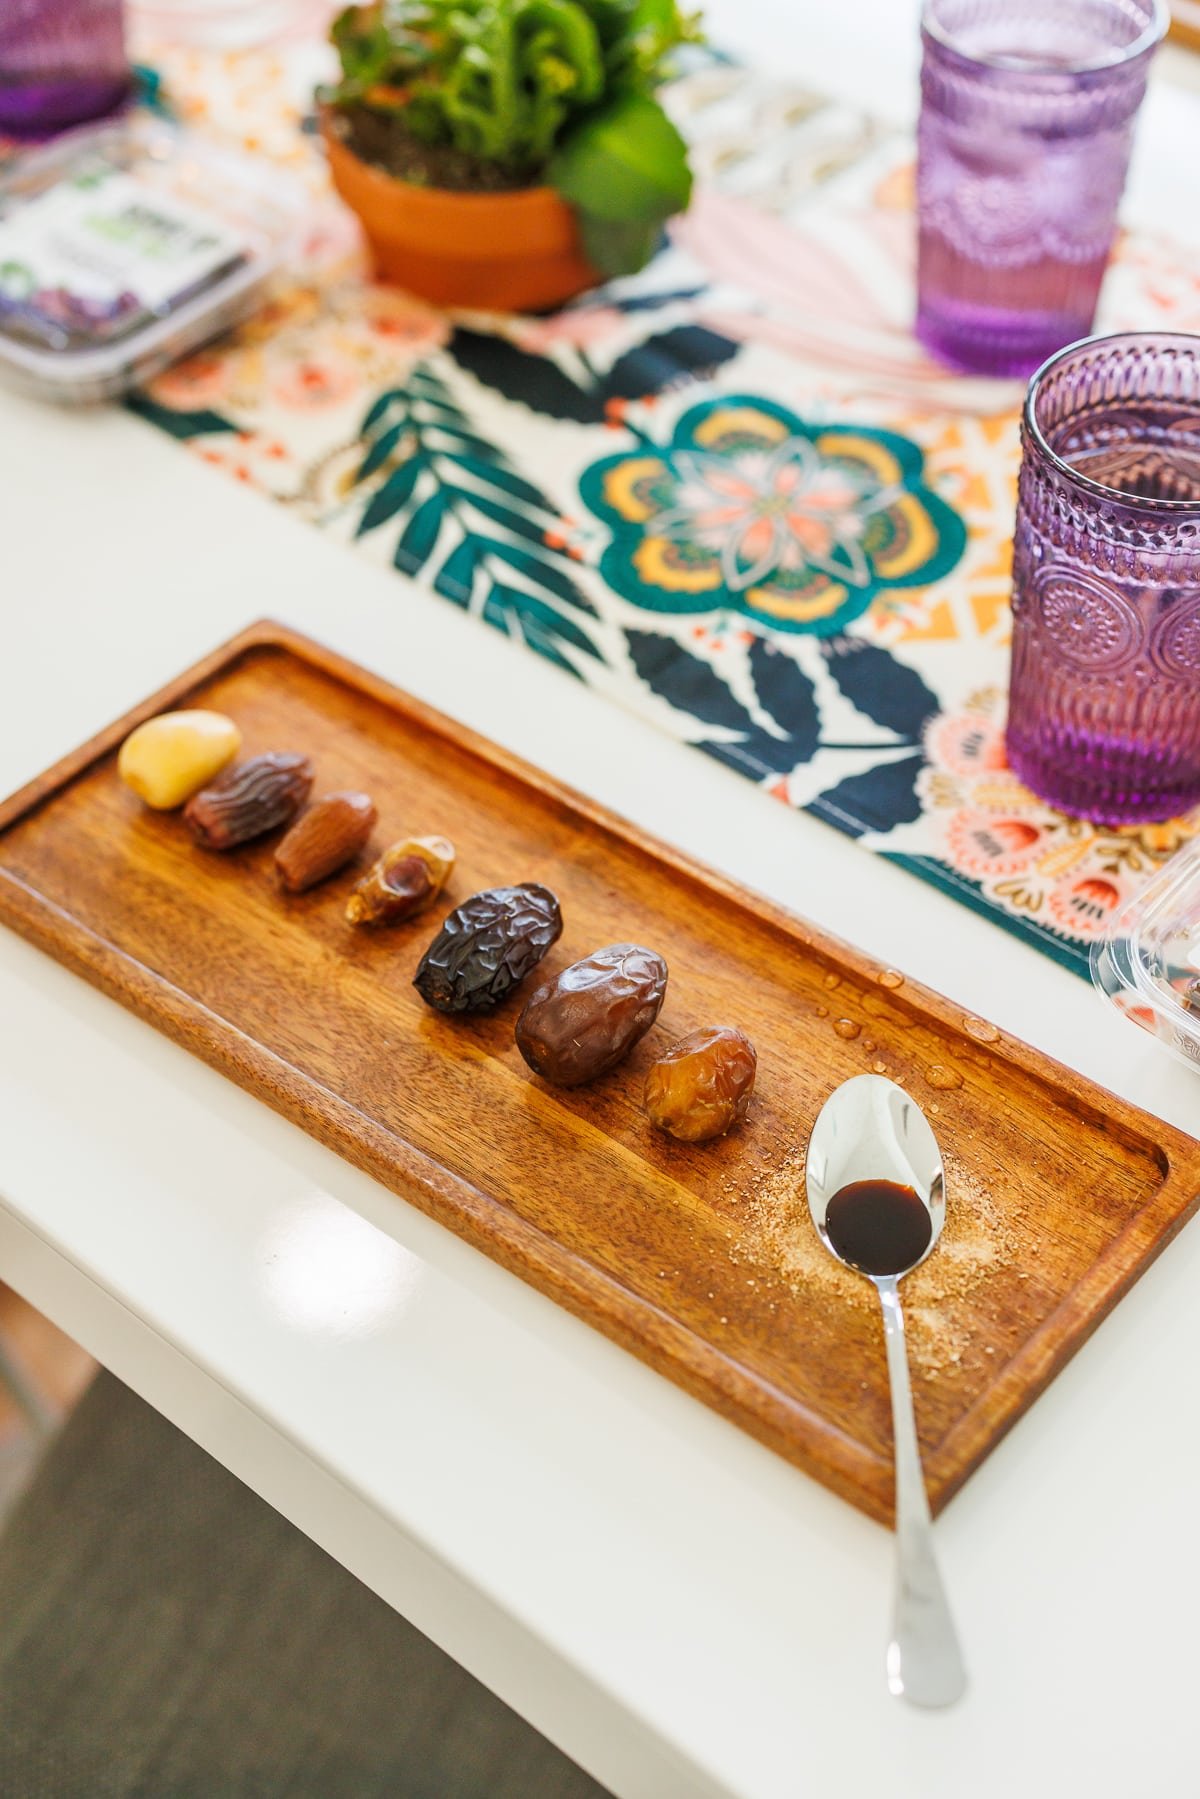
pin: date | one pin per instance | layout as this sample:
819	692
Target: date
584	1022
169	758
249	799
701	1087
324	839
486	946
405	879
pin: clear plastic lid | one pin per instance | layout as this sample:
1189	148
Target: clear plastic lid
1149	964
125	246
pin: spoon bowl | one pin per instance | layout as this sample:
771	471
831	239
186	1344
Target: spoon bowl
871	1130
877	1195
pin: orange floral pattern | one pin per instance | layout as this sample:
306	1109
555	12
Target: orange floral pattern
1059	871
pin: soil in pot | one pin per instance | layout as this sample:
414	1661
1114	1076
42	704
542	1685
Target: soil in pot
381	139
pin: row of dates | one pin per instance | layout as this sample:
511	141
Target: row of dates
572	1029
586	1020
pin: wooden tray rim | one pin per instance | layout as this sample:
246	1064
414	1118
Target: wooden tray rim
797	1431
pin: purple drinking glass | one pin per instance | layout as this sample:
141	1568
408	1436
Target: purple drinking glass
1104	703
1027	110
61	61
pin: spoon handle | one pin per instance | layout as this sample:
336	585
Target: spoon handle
924	1662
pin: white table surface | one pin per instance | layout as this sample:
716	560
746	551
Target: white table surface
679	1609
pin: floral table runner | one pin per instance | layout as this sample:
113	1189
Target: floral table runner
730	493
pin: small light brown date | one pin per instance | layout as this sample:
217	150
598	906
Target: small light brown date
585	1021
701	1087
249	799
405	878
324	839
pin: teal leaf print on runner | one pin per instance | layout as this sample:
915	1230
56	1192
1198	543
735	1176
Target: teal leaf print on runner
786	693
686	681
395	493
531	379
467	520
783	691
875	800
180	425
531	621
883	688
420	534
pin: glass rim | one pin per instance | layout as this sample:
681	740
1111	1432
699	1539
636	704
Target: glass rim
1087	483
1155	31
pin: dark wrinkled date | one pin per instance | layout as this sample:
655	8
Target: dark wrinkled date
249	799
486	946
583	1023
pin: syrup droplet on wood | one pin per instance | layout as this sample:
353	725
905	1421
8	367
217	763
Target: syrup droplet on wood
888	977
943	1078
980	1029
846	1027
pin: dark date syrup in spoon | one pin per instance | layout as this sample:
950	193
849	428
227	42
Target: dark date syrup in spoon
879	1227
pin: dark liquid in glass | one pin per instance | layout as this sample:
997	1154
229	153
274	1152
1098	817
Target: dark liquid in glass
880	1227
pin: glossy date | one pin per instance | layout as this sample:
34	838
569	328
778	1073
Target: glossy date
486	946
701	1087
584	1022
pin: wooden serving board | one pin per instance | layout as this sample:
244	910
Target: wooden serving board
699	1259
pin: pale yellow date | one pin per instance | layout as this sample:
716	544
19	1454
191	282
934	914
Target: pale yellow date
169	758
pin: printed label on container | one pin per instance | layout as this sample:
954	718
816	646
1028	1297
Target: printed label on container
95	249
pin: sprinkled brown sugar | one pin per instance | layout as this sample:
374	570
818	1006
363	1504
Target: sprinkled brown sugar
781	1236
979	1241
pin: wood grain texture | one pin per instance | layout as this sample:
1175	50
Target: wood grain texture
699	1259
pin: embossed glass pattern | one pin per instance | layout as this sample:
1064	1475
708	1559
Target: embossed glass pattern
60	61
1027	110
1104	707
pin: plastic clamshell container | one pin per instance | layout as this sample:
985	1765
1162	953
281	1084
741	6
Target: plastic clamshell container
1151	957
176	177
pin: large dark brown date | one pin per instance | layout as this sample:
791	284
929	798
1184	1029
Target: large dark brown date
486	946
583	1023
249	799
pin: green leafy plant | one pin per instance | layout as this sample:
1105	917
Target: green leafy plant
537	90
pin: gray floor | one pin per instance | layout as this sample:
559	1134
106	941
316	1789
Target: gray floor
20	1450
18	1460
166	1635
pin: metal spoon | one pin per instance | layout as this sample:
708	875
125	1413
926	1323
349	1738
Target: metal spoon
871	1130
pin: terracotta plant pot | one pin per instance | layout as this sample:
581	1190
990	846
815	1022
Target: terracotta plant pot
508	252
